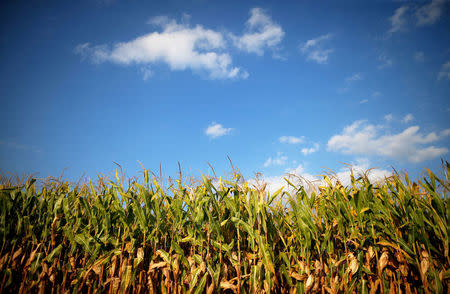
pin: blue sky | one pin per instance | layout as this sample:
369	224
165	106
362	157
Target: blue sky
294	87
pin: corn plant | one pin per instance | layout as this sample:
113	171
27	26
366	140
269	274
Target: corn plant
225	236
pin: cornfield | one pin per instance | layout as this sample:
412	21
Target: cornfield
225	236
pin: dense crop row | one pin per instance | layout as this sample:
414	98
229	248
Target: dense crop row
226	237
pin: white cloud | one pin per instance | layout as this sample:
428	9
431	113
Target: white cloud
296	176
385	61
354	77
179	46
299	176
261	33
315	50
216	130
445	71
408	118
307	151
363	101
365	139
398	20
291	139
362	166
280	159
430	13
419	56
388	117
376	94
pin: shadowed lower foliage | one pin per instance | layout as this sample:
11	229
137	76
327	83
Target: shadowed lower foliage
222	236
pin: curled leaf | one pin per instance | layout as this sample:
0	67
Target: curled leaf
382	262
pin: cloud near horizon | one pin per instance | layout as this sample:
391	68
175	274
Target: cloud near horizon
301	176
361	138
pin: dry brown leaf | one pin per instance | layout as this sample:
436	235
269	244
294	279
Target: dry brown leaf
354	265
425	263
309	283
97	268
140	253
3	260
203	266
403	270
317	267
17	253
157	265
227	285
298	276
33	253
374	287
370	254
210	288
383	260
72	262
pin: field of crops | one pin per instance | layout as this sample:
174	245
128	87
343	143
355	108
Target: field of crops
218	236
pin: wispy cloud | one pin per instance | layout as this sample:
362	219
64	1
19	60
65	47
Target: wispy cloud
180	46
445	71
316	49
388	117
361	138
430	13
384	61
215	130
14	145
425	15
146	72
348	81
354	77
363	101
280	159
398	20
307	151
261	33
291	139
376	94
408	118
